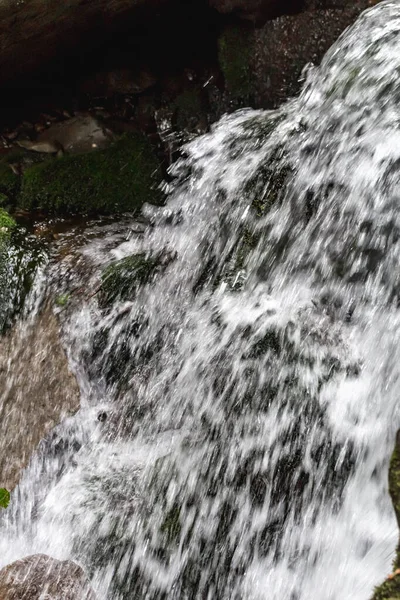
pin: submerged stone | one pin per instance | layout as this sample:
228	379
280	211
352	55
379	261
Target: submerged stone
117	179
171	526
121	279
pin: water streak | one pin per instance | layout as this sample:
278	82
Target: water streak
248	391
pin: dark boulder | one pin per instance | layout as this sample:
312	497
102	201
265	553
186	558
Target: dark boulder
34	32
262	10
262	66
256	10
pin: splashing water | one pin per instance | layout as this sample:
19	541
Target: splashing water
248	388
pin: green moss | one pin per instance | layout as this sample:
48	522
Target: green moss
120	280
394	481
171	526
7	224
15	155
267	186
188	109
62	300
390	589
20	256
6	221
234	54
4	498
117	179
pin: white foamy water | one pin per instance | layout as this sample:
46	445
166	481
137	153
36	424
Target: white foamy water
251	385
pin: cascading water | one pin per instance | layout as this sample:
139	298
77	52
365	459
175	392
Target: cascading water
239	407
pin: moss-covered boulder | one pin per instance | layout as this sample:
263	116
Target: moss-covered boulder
121	279
118	179
20	257
390	589
7	223
9	184
190	110
394	479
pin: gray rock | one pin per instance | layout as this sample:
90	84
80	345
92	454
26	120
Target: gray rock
40	577
77	135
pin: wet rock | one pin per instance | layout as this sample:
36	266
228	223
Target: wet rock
20	257
263	66
189	112
30	404
390	589
234	55
117	179
284	46
46	147
39	576
77	135
9	181
120	280
7	223
255	10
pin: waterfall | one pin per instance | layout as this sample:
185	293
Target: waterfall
239	407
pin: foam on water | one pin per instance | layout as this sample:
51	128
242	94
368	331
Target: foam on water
252	386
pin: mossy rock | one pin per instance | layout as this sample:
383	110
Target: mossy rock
20	257
9	184
234	55
62	300
121	279
7	223
118	179
390	589
189	111
171	526
3	200
394	480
